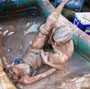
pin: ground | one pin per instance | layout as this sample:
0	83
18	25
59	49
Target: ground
16	45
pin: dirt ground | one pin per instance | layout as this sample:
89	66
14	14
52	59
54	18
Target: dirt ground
16	45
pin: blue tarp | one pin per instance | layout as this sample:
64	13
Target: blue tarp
75	5
8	7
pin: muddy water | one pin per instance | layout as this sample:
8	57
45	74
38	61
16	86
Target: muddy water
16	45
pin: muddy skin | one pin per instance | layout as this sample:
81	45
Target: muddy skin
35	61
76	63
62	54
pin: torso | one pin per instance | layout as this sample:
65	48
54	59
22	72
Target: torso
33	59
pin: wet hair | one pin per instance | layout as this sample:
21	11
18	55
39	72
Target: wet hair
63	35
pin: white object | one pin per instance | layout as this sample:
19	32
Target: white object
0	28
33	28
21	47
30	42
27	24
83	17
5	32
11	33
9	50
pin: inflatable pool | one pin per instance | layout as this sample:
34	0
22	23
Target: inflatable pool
18	16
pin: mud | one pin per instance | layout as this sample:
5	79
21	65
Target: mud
16	45
77	82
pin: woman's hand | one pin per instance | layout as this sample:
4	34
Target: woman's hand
45	59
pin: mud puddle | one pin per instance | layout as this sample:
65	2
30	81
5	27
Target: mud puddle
16	45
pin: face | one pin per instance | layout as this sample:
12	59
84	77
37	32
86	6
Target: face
14	73
26	68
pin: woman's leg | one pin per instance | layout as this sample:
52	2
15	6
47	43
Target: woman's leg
40	40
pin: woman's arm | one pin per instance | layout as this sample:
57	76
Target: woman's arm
27	80
57	66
